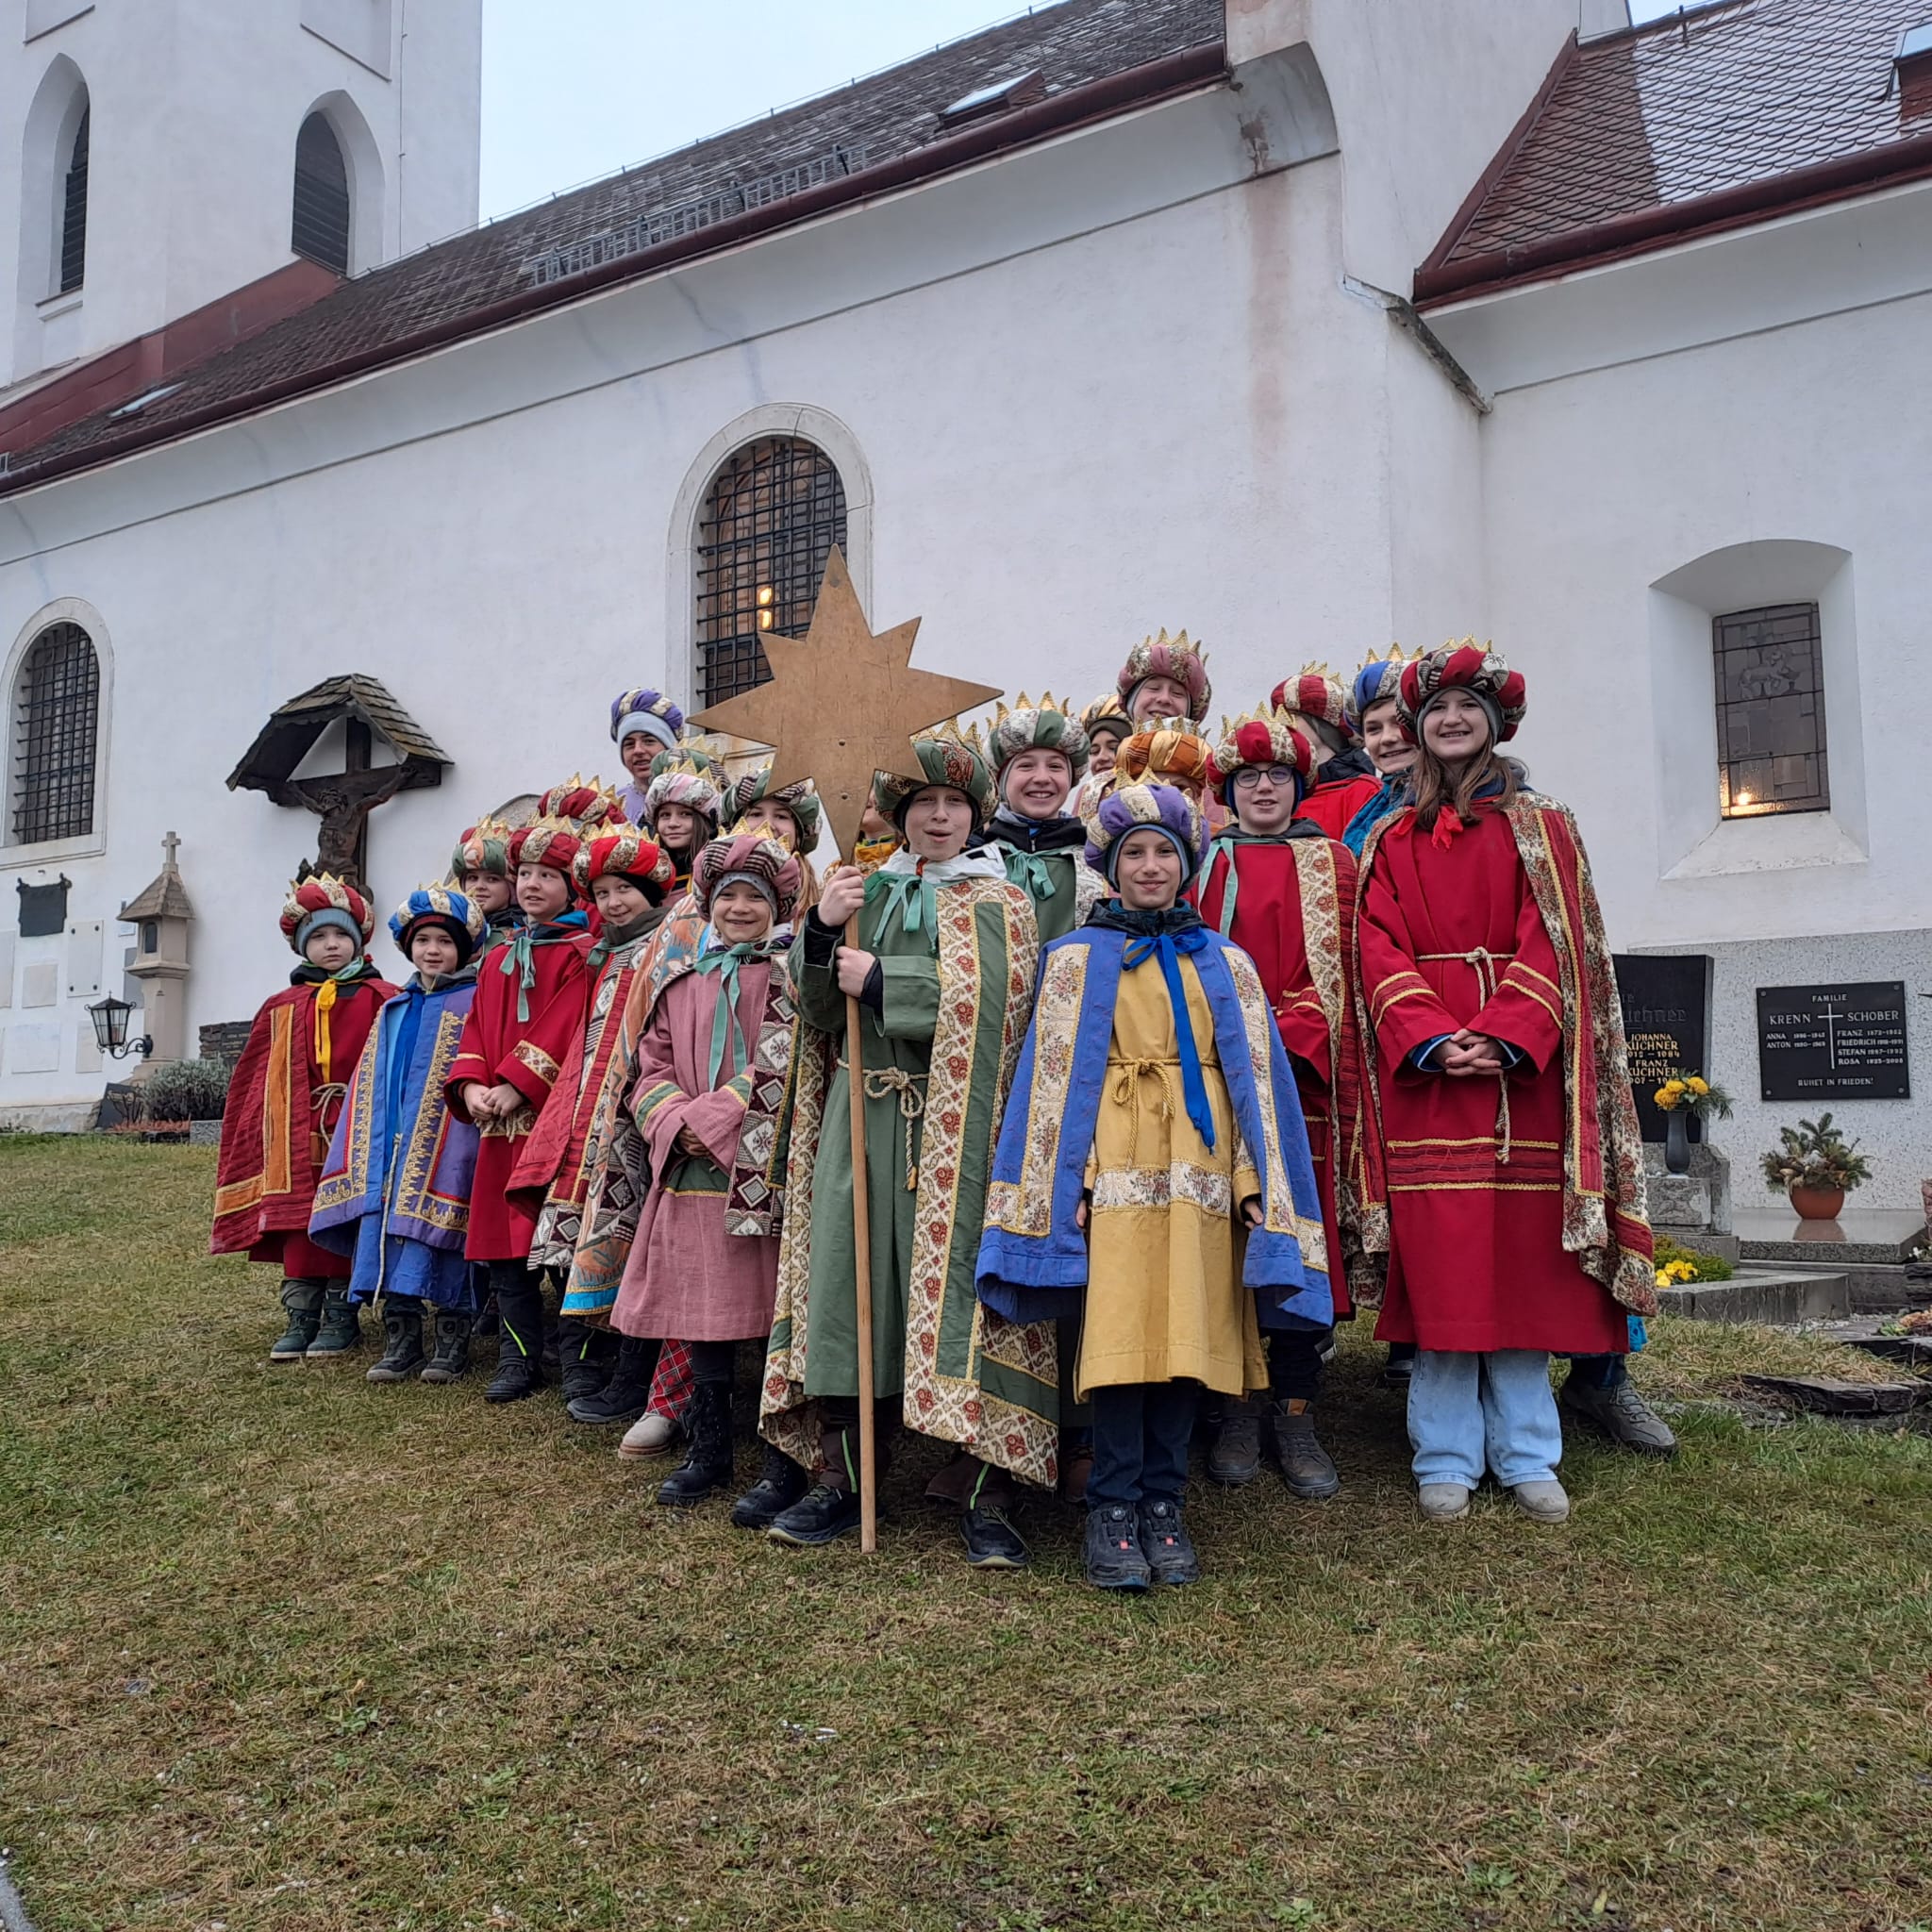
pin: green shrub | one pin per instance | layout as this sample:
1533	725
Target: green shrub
186	1090
1709	1267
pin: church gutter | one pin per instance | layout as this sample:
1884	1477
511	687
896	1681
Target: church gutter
1645	230
1189	71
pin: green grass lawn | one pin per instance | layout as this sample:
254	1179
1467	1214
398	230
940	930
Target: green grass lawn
284	1651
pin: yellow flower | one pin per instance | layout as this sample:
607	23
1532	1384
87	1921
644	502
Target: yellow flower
1674	1089
1698	1087
1662	1097
1681	1270
1663	1280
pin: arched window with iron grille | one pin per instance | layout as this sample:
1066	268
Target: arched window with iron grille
74	210
769	522
321	224
57	720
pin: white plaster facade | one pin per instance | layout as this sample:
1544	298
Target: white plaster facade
196	105
1140	376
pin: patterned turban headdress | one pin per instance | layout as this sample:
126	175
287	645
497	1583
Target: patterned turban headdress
1378	678
322	901
552	841
1178	657
947	756
626	853
799	799
1107	713
752	858
1257	738
440	906
1049	725
589	804
1163	809
1164	754
485	847
1477	668
684	781
648	712
1317	694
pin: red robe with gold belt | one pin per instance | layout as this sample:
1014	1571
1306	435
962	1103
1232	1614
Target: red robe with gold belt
1294	913
1515	1210
528	1053
283	1102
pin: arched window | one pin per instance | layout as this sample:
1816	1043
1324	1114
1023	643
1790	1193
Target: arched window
321	227
773	516
57	717
74	210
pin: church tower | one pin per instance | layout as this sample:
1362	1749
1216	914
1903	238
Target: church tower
157	155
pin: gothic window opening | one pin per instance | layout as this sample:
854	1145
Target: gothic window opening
320	225
74	210
1771	711
773	513
57	715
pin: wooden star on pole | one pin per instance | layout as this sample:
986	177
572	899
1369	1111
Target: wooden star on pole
842	703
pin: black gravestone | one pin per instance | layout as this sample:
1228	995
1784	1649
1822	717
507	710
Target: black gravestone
1666	1000
42	909
1833	1043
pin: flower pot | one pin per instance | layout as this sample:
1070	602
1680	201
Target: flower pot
1817	1204
1676	1141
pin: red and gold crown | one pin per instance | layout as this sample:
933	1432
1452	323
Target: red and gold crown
1478	669
1316	691
322	891
1259	737
1178	657
589	803
628	852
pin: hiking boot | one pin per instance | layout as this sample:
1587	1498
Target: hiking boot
706	1464
518	1347
1306	1466
303	1301
1167	1545
1442	1502
1236	1456
1114	1560
652	1434
780	1483
452	1355
621	1399
822	1515
587	1358
341	1327
402	1328
1542	1502
992	1542
1620	1413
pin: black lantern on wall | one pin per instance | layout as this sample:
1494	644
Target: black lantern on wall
110	1017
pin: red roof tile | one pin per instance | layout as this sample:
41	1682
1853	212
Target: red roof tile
877	131
1703	115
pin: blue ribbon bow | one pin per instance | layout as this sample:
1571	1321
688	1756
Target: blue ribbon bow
909	893
725	962
519	955
1167	947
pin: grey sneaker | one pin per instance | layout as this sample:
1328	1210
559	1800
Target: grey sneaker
1236	1456
1543	1502
1442	1502
1620	1413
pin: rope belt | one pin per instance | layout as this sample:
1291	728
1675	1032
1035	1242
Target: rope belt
1487	979
882	1083
1126	1090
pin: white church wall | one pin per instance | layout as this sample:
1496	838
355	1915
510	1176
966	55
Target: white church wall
1630	502
1159	418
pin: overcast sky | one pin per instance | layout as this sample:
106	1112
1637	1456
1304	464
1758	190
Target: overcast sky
575	88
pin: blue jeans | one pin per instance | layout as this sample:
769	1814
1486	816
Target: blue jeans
1466	1411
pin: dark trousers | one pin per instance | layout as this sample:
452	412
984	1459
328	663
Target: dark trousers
1598	1371
519	1291
1294	1362
713	1361
1140	1435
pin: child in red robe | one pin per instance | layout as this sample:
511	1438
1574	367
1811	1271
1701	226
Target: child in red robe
525	1023
1344	780
1514	1215
1284	893
283	1103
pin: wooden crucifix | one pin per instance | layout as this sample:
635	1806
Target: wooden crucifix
842	705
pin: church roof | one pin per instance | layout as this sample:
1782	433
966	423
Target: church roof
1725	114
1081	60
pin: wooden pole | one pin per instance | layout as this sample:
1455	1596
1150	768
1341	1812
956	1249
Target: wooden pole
862	1269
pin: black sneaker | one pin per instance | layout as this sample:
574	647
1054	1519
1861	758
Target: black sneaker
1113	1549
822	1515
1307	1467
452	1355
992	1542
1165	1542
780	1483
402	1356
1236	1456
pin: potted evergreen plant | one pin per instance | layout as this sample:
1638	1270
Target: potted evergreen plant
1817	1167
